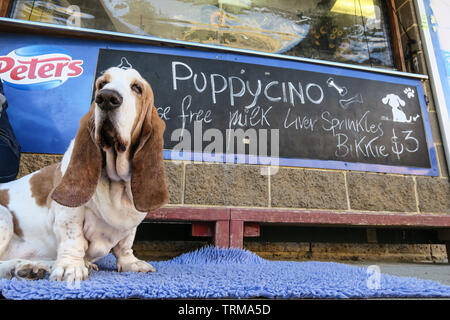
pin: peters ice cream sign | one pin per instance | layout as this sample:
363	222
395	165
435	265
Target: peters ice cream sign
38	67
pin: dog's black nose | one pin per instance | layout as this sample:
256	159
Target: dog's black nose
108	99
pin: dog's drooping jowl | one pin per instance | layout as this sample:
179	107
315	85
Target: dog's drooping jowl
64	217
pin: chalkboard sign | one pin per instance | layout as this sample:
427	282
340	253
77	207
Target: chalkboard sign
235	108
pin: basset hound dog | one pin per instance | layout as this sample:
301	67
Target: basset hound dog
62	218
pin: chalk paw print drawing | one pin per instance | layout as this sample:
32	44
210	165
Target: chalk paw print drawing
409	93
397	104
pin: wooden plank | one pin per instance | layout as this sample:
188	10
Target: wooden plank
202	229
4	6
397	48
236	233
229	226
299	216
189	214
339	218
201	216
222	234
252	229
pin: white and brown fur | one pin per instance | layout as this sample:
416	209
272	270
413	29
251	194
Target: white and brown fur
64	217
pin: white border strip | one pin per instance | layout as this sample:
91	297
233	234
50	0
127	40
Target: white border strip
435	80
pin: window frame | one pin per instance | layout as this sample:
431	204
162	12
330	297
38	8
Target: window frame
395	41
5	7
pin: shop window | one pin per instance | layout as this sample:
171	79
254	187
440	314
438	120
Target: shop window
349	31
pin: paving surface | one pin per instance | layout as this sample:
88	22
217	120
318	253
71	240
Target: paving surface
428	271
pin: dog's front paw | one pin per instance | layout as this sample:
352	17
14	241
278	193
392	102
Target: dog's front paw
30	270
69	271
135	266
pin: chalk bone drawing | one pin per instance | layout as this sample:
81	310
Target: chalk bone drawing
124	64
396	105
345	103
342	90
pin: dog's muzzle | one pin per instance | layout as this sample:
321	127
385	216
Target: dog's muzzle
108	100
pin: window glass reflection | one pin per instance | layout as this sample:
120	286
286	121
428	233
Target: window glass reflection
351	31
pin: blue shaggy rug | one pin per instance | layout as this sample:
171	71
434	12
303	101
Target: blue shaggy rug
228	273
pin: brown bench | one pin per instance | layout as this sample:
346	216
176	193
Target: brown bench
229	226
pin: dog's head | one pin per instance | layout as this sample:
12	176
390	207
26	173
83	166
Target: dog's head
393	100
123	134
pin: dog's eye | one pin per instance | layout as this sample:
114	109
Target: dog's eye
102	84
136	88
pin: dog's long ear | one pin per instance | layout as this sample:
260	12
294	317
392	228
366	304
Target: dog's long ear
148	178
81	177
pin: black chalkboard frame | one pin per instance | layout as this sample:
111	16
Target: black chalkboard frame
211	56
